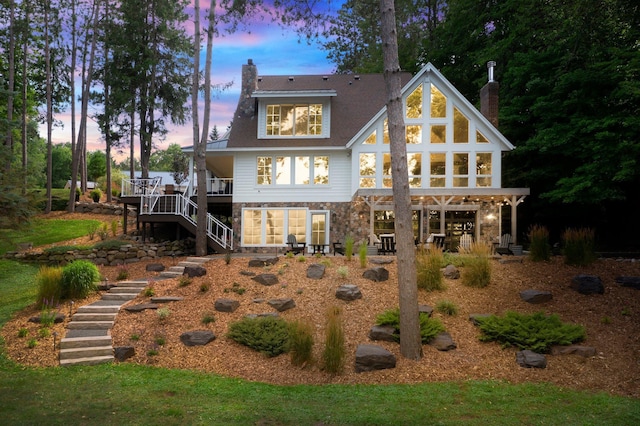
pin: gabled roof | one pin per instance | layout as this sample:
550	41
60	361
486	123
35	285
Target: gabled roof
355	99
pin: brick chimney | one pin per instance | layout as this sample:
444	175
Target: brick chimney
246	104
489	96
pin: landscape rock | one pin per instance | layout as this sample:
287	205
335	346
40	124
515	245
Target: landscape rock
587	284
383	332
451	272
373	357
154	267
265	314
583	351
443	342
633	282
530	359
194	271
381	260
282	305
141	307
58	318
261	263
248	273
316	271
197	337
266	279
122	353
425	309
376	274
226	305
166	299
535	296
348	292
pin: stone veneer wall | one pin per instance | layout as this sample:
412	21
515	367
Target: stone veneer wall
125	254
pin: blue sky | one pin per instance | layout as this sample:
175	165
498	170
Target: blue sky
274	50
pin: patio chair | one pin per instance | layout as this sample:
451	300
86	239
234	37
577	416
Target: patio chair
338	248
465	242
387	245
294	246
436	241
504	246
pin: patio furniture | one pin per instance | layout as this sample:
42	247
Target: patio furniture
294	246
465	242
387	244
504	246
338	248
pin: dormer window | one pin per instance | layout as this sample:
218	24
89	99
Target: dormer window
294	120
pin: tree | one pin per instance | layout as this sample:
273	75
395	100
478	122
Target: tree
61	165
163	160
96	165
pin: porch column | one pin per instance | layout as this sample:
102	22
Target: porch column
514	216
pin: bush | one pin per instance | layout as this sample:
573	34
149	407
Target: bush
267	335
49	281
446	307
429	327
334	350
95	194
477	269
79	279
536	332
579	246
428	265
539	247
301	342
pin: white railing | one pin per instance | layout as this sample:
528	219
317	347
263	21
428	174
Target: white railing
152	202
216	187
139	186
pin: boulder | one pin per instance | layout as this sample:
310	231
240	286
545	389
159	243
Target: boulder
57	318
587	284
633	282
194	271
373	357
425	309
266	279
122	353
383	332
348	292
443	342
197	337
583	351
282	305
315	271
376	274
381	260
535	296
261	263
248	273
154	267
530	359
451	272
226	305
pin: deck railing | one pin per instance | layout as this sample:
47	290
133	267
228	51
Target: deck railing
216	187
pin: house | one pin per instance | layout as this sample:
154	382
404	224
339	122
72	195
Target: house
309	156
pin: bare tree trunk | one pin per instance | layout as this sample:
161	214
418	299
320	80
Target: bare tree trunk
107	112
410	341
47	58
25	83
12	76
74	160
198	151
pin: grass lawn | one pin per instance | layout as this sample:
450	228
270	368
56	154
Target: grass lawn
123	394
44	231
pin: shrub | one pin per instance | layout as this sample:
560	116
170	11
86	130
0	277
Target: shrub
163	313
429	327
447	307
477	269
49	281
23	332
92	228
539	247
428	265
343	271
149	292
267	335
79	279
184	281
536	332
579	246
160	341
302	259
114	227
334	350
301	342
348	247
123	273
208	318
204	287
95	194
48	313
103	232
32	343
362	254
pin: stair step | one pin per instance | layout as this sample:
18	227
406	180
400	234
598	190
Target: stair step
125	290
94	316
94	360
179	269
76	353
98	309
133	283
199	260
90	325
118	296
84	342
168	274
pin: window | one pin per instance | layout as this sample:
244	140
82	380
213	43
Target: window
460	127
414	103
414	165
385	134
367	170
460	170
294	120
386	171
438	133
371	139
270	227
483	169
286	168
413	134
480	138
438	169
438	103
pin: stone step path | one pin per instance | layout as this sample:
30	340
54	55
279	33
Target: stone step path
88	337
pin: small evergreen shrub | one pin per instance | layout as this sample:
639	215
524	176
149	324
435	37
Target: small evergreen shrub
579	246
447	307
149	292
160	341
301	342
477	269
79	279
267	335
536	332
362	254
334	350
204	287
429	327
539	247
32	343
49	281
95	195
348	247
429	275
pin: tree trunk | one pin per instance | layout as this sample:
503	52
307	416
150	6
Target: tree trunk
47	58
74	160
10	89
25	84
410	341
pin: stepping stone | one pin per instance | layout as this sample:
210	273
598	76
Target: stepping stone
536	296
141	307
166	299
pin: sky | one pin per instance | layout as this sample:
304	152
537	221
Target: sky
274	50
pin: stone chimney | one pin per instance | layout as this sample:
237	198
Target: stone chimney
489	96
246	104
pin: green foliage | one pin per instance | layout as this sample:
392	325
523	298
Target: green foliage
539	247
343	271
49	281
32	343
23	332
95	194
579	246
96	165
208	318
429	327
267	335
149	292
48	313
163	314
447	307
301	342
114	227
348	247
204	287
79	279
184	281
536	332
334	352
362	255
428	264
103	231
477	269
92	229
